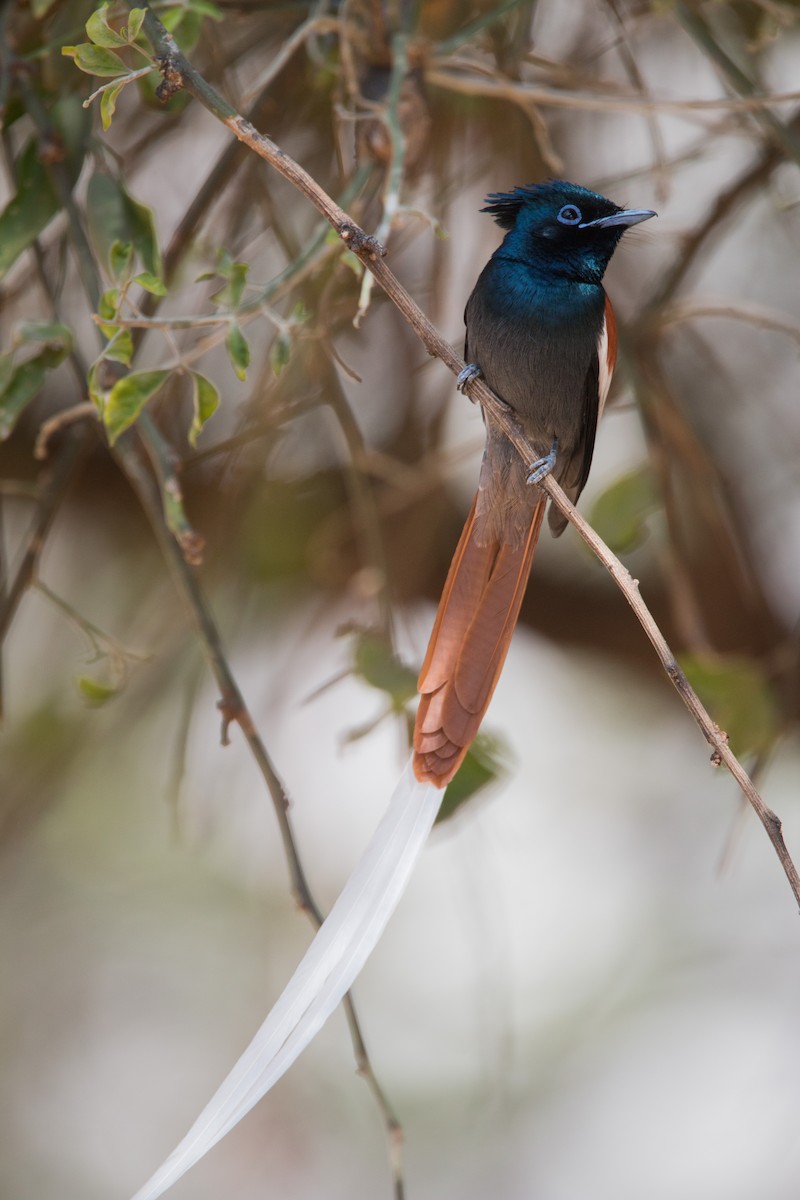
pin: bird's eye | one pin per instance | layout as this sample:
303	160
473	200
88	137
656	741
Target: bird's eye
569	215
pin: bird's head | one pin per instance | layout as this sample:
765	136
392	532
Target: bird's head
562	227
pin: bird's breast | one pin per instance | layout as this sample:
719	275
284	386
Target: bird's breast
535	344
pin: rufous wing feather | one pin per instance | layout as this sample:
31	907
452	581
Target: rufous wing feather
477	613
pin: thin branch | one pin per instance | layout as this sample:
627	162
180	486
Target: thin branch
711	226
478	26
314	25
362	501
100	643
636	78
156	501
3	591
179	73
463	77
390	116
715	737
751	314
85	410
783	135
165	463
234	709
65	468
60	477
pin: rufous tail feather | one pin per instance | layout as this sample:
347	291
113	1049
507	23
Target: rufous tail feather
477	613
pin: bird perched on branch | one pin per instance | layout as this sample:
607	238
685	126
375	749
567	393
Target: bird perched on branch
541	333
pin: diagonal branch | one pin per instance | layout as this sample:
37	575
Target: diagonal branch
234	708
178	73
154	495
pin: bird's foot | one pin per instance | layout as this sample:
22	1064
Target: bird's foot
543	466
471	371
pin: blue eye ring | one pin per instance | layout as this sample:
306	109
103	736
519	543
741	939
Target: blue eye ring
570	214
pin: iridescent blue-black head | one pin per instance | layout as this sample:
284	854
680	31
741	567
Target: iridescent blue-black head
562	227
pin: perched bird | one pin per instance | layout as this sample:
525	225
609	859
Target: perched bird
541	333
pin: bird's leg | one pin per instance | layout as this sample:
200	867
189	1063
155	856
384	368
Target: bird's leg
471	371
543	466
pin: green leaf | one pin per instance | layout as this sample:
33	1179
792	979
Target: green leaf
739	697
236	283
50	333
94	380
74	123
151	283
99	31
225	261
205	402
19	385
188	30
29	212
145	238
238	351
127	398
120	260
235	275
280	352
120	347
374	662
107	310
108	104
135	21
95	692
620	513
6	371
485	763
185	23
95	60
114	216
23	387
206	9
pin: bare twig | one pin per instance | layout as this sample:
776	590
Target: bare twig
3	587
51	496
461	77
783	135
394	175
631	66
715	737
165	464
234	709
157	501
362	500
314	25
83	411
752	314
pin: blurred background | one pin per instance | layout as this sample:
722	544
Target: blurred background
592	985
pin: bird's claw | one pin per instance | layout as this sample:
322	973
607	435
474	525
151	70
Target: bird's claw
471	371
543	466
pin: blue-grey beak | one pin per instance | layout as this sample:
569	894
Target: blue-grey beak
628	216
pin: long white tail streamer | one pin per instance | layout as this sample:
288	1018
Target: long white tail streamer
330	965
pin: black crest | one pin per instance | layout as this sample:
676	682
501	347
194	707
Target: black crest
505	206
544	200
